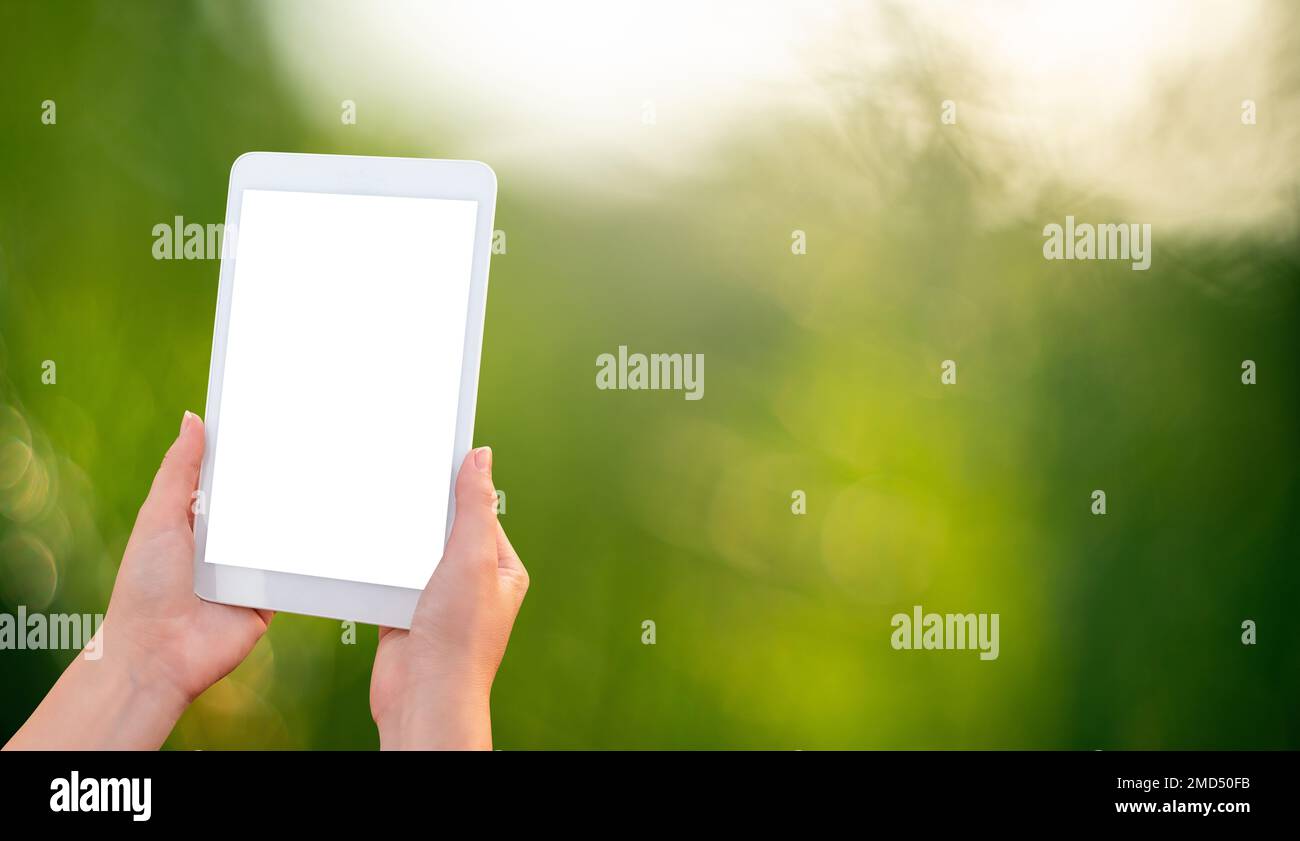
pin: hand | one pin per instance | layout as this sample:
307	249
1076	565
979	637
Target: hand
431	685
154	614
162	646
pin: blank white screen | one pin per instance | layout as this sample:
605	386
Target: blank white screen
339	396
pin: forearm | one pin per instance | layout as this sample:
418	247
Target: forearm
112	703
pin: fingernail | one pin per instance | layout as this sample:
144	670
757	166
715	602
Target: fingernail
187	418
483	459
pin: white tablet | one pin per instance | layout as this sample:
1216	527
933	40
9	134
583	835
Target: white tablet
343	381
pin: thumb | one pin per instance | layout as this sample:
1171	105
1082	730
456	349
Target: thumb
170	498
474	531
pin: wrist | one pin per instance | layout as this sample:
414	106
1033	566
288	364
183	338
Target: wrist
144	703
145	669
437	721
144	699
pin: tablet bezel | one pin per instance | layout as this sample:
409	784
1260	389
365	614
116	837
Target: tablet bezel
341	174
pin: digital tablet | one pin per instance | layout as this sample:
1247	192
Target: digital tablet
344	374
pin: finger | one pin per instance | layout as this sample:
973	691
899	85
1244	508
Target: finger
171	496
474	531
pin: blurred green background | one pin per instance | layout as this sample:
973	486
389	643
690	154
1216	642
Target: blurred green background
653	164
